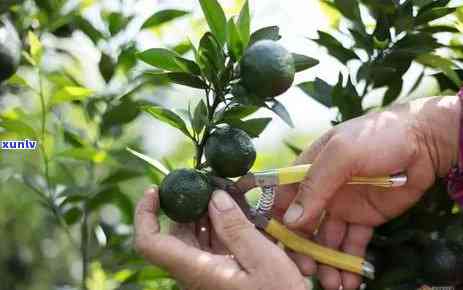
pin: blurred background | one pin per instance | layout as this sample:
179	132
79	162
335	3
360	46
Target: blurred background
67	208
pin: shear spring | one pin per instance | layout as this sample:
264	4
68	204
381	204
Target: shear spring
266	200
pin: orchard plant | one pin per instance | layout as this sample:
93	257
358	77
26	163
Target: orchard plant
81	165
239	73
424	246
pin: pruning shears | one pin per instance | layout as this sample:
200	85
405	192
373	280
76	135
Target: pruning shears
261	215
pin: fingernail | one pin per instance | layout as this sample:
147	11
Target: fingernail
222	201
151	189
293	213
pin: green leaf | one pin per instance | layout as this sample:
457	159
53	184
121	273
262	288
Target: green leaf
36	47
403	18
70	93
120	113
106	66
433	14
151	273
422	3
158	166
211	58
127	58
335	48
215	17
62	79
162	17
168	60
254	127
113	195
441	63
17	80
432	4
303	62
84	154
167	116
363	40
350	9
239	111
200	117
121	175
234	42
182	47
72	138
392	92
265	33
296	150
417	83
94	34
281	111
445	83
439	28
18	127
319	90
382	33
72	215
347	99
244	24
180	78
416	43
117	22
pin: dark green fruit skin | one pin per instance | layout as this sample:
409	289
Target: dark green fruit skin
10	50
184	195
443	263
230	152
267	69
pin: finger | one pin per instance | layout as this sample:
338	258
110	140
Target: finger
332	168
330	234
203	233
216	244
185	232
183	261
286	193
355	243
252	250
306	265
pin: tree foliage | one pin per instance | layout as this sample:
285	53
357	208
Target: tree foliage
83	170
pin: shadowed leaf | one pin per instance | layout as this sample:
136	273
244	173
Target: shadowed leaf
162	17
215	17
303	62
153	162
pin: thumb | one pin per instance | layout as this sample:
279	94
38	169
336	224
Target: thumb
238	234
329	172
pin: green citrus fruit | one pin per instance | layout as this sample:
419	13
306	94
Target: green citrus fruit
184	195
267	69
230	152
443	263
10	50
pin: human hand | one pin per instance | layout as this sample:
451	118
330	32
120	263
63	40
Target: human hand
256	263
419	138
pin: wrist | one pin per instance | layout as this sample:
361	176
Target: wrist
439	119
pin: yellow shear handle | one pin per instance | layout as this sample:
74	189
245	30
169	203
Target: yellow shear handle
320	254
294	174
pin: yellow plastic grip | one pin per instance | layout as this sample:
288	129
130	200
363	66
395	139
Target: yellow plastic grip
294	174
319	253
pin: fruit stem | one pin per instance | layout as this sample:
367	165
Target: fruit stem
42	141
207	130
84	247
